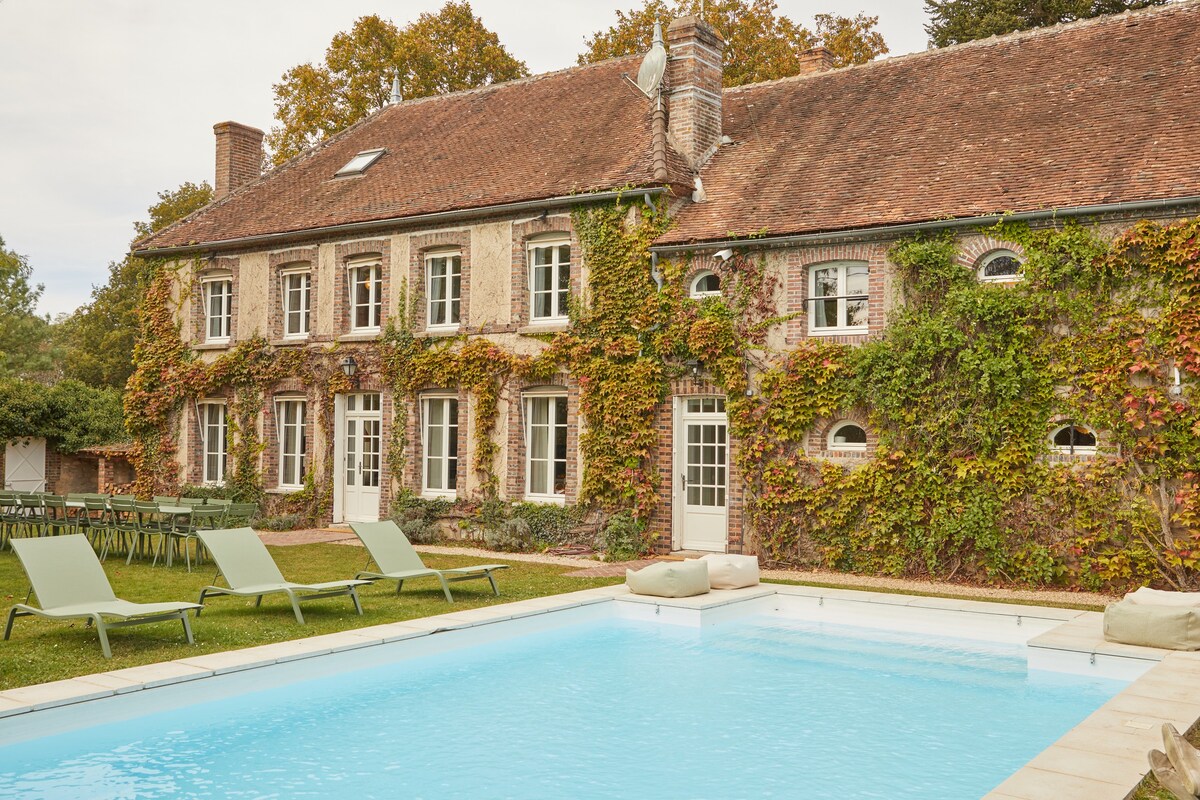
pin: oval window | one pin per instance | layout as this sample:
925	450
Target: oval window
847	436
1073	439
706	284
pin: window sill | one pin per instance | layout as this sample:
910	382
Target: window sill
838	331
223	345
432	495
546	499
289	342
359	336
549	326
440	333
284	490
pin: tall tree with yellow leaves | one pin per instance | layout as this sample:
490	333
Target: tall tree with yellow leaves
435	54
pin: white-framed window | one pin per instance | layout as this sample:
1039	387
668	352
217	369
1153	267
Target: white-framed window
705	284
549	280
838	298
366	296
999	266
440	437
296	293
443	289
1073	439
291	416
848	437
218	308
214	441
358	165
546	446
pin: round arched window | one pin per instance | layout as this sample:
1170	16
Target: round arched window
847	436
1073	439
1000	265
705	284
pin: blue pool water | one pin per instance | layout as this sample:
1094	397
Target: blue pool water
610	709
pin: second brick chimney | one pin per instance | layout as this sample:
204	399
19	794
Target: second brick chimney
239	156
816	59
694	75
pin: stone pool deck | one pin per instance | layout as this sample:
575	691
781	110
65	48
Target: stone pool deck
1103	758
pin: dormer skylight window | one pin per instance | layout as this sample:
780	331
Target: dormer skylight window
358	165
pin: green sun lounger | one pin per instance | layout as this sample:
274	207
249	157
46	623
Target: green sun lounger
69	583
397	561
242	559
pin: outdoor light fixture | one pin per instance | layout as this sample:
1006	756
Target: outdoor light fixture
694	366
724	255
349	366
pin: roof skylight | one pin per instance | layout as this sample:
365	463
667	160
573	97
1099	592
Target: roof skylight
358	165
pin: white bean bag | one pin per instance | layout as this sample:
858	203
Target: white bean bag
669	579
1157	597
1172	627
728	571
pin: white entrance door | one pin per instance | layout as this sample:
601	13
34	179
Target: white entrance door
362	449
701	467
25	465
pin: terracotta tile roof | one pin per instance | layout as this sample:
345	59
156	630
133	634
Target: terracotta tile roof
578	130
1096	112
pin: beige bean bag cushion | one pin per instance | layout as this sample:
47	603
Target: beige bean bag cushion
727	571
1157	597
669	579
1172	627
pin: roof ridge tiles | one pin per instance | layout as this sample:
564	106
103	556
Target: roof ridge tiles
1172	7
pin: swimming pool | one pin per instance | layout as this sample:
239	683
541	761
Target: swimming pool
596	705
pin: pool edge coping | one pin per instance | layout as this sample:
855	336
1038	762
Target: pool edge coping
1066	770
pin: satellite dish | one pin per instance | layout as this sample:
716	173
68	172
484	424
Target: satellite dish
650	74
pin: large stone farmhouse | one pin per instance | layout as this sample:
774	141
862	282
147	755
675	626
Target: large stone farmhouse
453	215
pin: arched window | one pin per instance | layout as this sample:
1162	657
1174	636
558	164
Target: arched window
1000	265
705	284
848	436
1073	439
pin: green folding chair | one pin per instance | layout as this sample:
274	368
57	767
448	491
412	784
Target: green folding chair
57	519
69	582
243	560
396	559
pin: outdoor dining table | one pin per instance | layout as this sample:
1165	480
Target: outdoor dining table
184	512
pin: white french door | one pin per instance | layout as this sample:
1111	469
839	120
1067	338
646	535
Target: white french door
702	474
360	453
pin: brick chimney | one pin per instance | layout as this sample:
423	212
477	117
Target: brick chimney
814	60
694	75
239	156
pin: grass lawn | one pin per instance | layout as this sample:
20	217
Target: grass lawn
44	650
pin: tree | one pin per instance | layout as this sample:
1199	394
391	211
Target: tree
760	44
98	338
24	334
957	21
438	53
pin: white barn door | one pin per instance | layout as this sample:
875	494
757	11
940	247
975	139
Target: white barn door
25	465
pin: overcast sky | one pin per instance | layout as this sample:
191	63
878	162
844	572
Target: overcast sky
104	103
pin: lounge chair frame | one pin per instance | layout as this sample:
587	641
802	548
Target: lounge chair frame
89	595
256	574
396	560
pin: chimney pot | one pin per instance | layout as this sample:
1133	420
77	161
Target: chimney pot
239	156
816	59
695	73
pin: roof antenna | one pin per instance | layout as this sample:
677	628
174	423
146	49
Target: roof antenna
396	98
654	65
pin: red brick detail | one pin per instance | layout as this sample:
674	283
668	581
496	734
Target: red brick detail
799	264
972	249
239	156
215	266
662	520
514	481
278	263
350	251
694	75
421	245
817	444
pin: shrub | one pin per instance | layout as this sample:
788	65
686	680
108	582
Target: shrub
282	522
511	536
625	538
418	516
